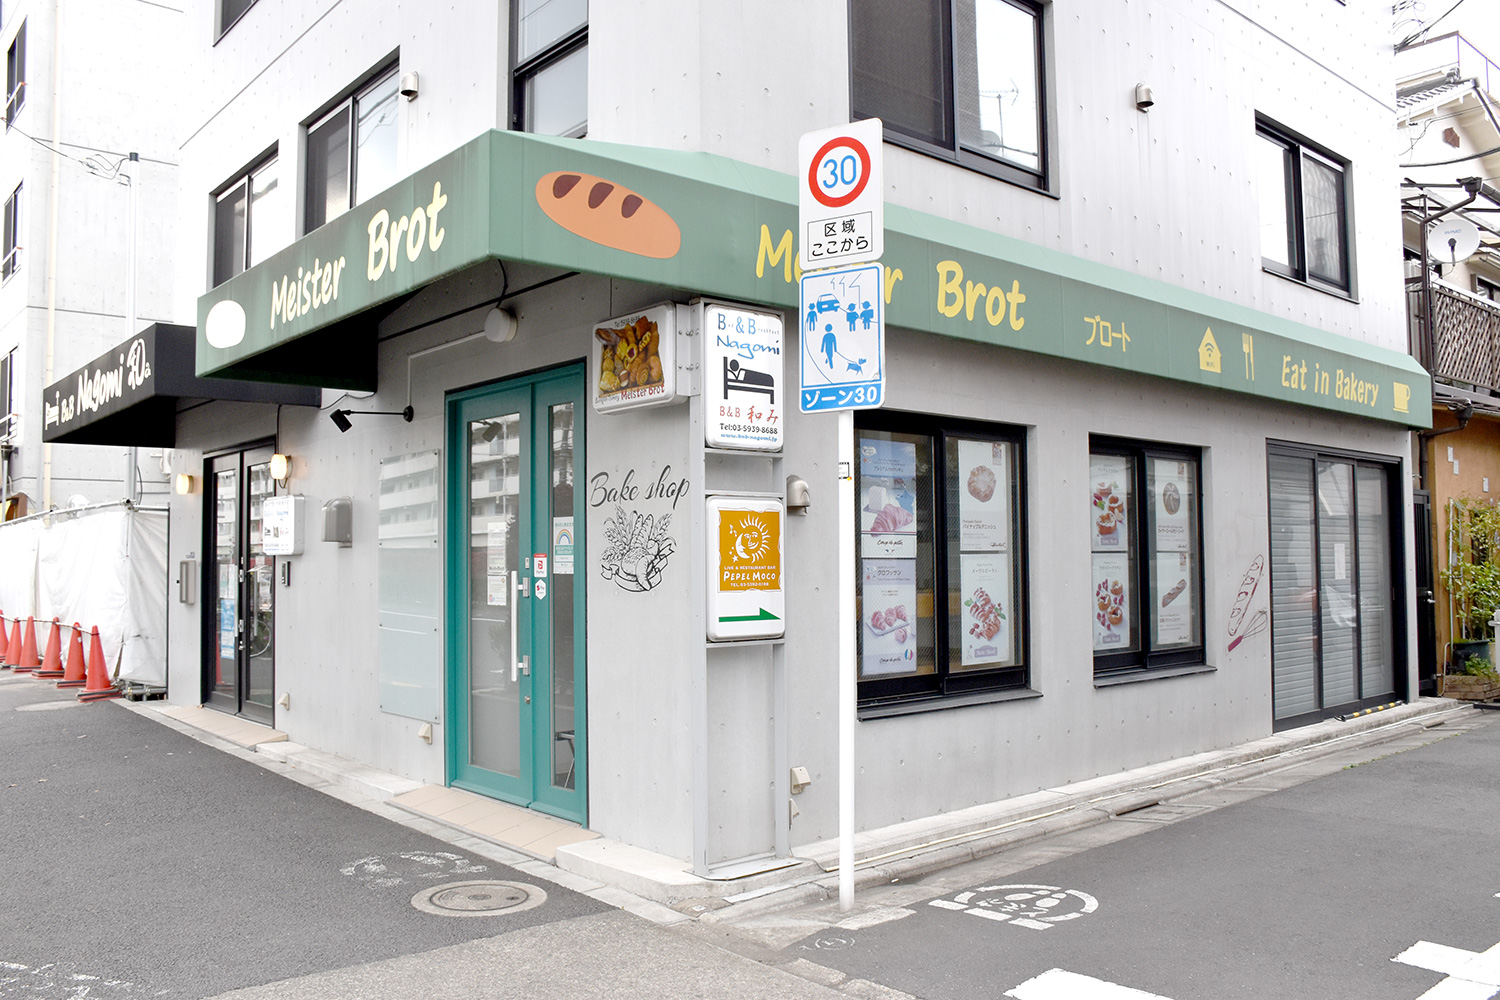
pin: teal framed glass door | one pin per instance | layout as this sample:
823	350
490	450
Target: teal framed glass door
515	615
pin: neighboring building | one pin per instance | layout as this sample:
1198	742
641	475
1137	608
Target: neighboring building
70	126
1138	487
1448	117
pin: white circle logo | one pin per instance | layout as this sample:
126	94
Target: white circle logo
225	325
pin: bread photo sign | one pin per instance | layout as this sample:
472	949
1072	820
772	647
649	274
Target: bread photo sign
608	213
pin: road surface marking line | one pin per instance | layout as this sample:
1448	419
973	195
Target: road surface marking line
947	904
1458	989
1056	984
988	914
1471	975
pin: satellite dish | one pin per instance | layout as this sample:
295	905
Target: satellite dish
1453	240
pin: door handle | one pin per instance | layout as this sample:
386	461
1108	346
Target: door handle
518	662
515	615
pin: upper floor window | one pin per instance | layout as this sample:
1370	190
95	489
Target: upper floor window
15	75
962	79
12	250
351	151
551	75
231	11
250	220
1304	221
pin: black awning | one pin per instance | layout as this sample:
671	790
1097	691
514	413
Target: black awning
128	395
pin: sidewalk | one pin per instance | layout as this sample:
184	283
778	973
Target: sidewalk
663	890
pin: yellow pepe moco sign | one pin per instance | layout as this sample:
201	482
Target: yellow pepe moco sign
746	587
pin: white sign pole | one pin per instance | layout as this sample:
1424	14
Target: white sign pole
848	688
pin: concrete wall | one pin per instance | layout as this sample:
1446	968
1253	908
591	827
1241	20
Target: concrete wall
1169	195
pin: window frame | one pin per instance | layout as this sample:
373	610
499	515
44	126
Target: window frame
15	76
1145	659
524	70
10	249
1302	151
345	105
226	23
945	687
242	179
1039	180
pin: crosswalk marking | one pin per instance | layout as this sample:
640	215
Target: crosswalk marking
1056	984
1472	975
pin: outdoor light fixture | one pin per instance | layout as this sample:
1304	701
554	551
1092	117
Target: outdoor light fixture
281	467
340	418
183	484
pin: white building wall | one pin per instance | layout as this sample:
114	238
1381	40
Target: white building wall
116	91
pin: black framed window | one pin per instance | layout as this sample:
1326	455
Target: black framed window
961	79
941	557
15	75
551	60
1146	543
1486	289
231	11
250	220
351	150
1304	218
11	260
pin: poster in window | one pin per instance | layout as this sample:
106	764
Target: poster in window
985	580
1111	601
1171	489
1109	513
888	625
1174	599
888	499
496	567
983	495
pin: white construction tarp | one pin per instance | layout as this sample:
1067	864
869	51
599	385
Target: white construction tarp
102	568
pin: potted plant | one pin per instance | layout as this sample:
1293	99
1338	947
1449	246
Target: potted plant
1472	576
1478	681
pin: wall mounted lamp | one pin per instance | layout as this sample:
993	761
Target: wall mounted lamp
340	418
281	467
183	484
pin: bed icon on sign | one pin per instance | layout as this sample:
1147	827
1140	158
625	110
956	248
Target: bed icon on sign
738	378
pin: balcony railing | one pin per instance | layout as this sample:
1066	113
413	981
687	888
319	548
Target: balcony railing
1464	346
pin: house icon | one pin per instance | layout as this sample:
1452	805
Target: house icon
1208	353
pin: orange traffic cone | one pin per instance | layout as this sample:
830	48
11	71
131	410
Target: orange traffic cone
13	647
28	660
52	661
76	672
99	684
4	642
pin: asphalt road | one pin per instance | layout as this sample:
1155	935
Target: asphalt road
139	856
1293	886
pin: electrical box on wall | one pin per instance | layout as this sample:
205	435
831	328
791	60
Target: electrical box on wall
281	525
338	521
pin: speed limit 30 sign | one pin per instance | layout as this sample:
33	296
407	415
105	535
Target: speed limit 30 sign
841	206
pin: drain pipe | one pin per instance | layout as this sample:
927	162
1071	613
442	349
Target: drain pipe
1464	412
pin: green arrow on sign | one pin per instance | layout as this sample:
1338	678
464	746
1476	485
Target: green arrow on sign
764	616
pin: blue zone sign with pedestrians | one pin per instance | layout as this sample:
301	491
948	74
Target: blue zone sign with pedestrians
842	321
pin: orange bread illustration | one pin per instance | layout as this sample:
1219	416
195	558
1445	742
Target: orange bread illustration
608	214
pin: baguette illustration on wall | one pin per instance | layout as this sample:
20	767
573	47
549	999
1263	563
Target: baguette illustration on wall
1240	628
607	213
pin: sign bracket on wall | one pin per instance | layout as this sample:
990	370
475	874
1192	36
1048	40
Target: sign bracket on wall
738	453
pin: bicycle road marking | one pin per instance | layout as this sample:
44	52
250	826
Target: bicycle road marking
1035	907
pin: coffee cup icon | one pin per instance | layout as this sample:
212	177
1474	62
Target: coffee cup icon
1402	396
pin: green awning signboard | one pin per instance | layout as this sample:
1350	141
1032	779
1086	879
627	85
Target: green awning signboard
715	227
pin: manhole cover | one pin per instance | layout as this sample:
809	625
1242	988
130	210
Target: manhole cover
486	898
